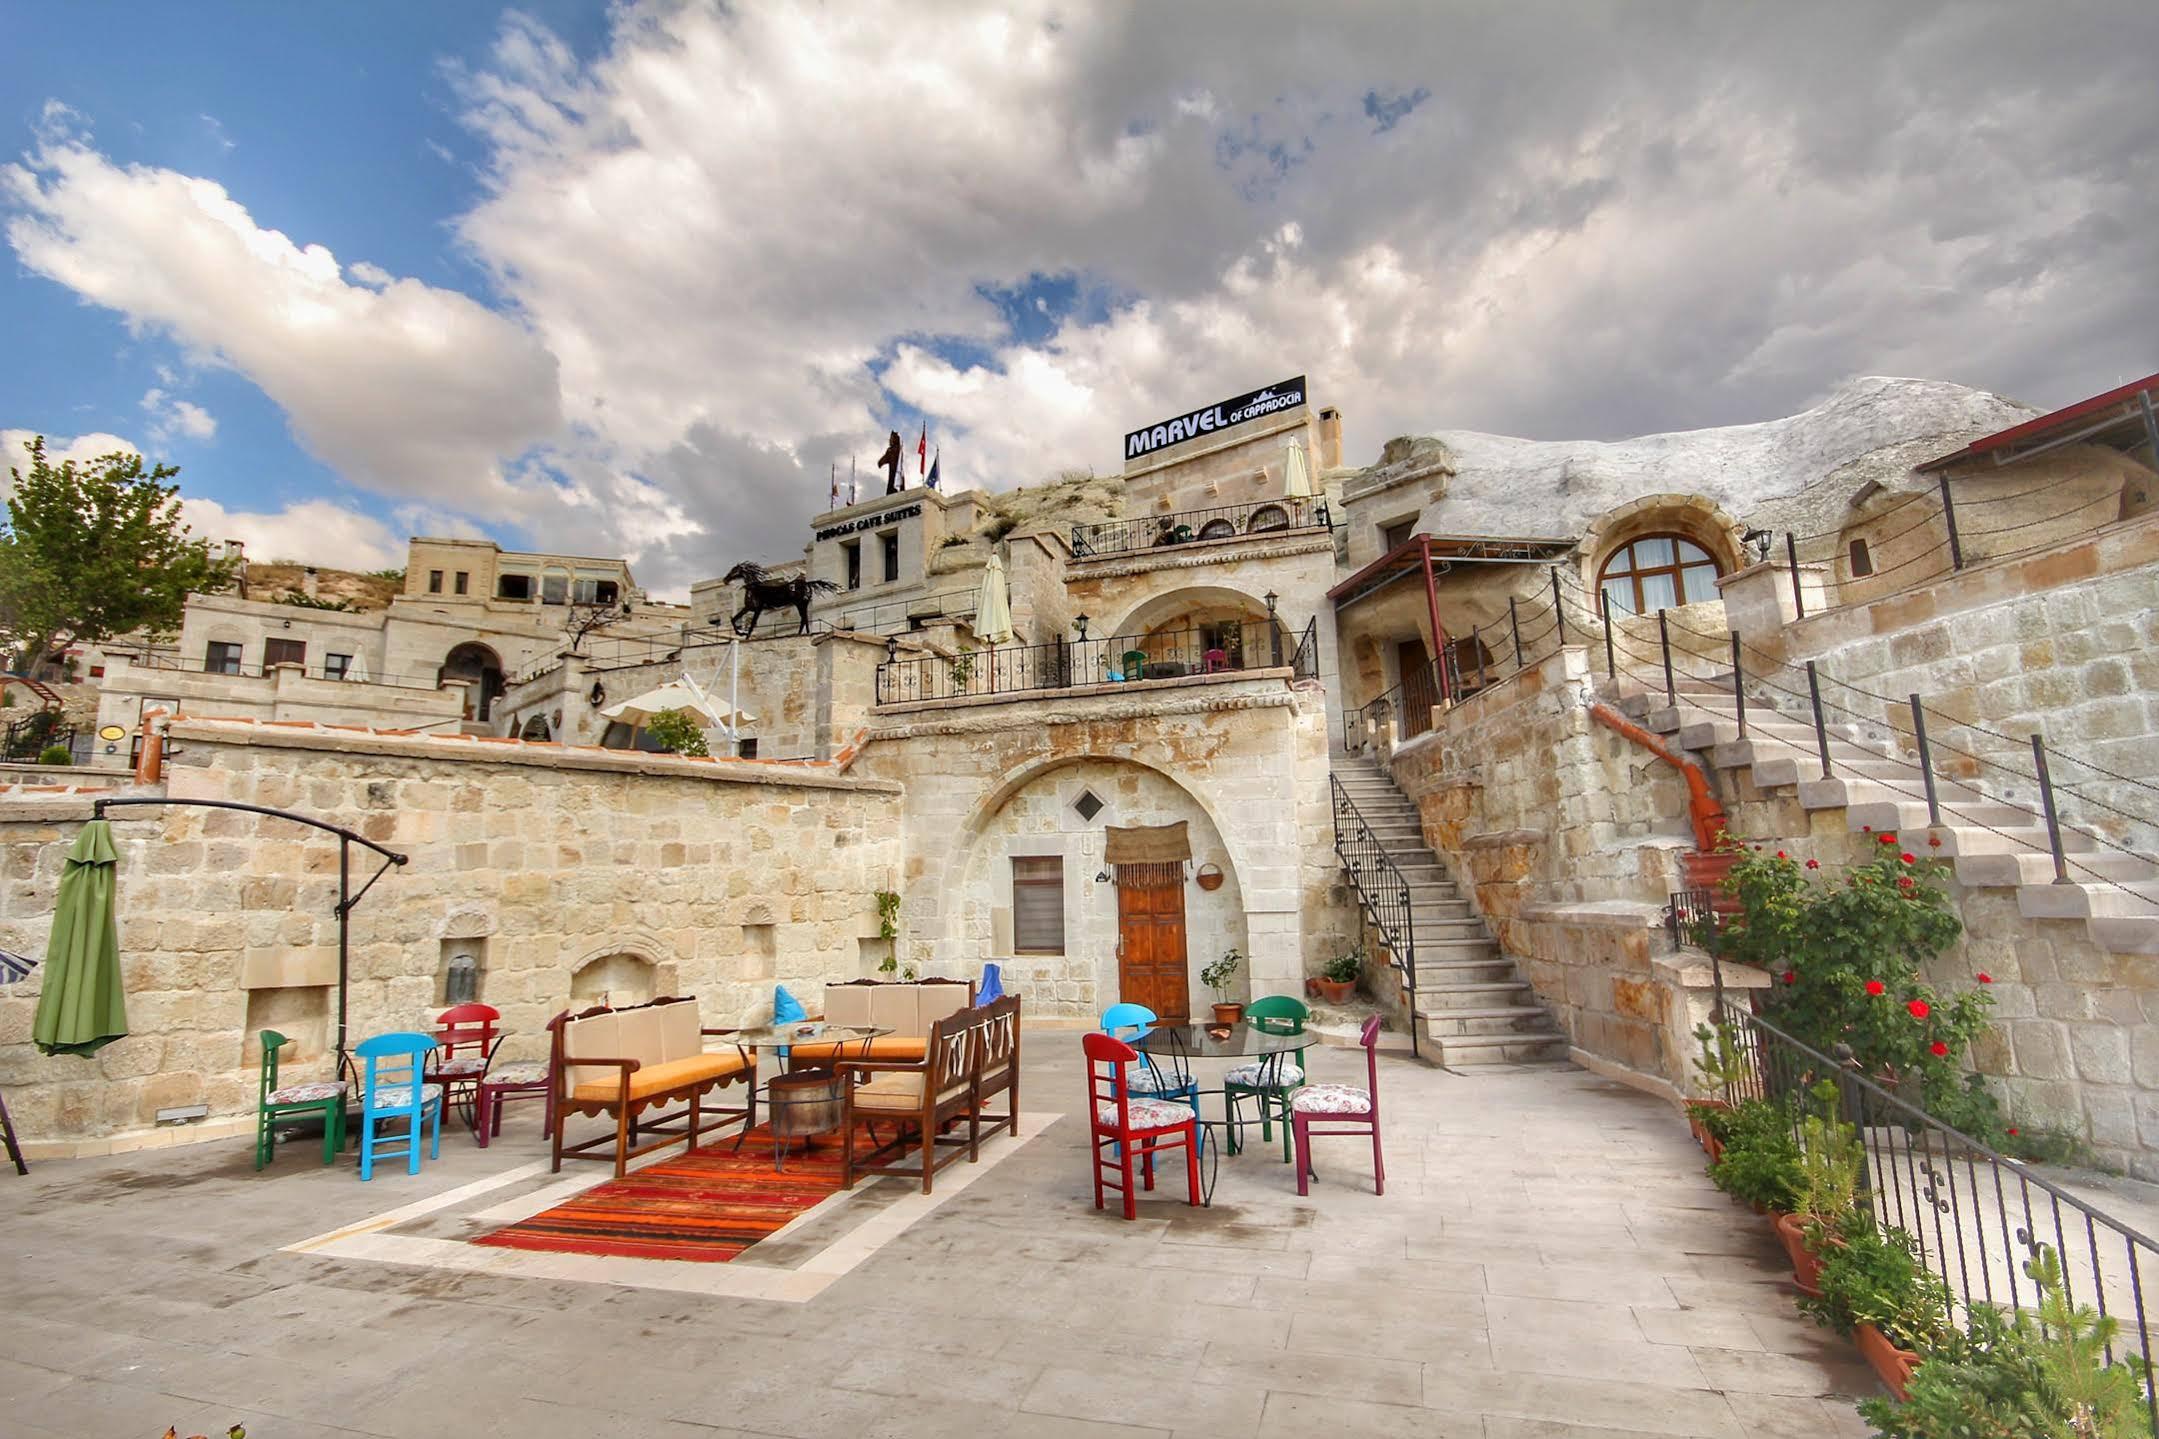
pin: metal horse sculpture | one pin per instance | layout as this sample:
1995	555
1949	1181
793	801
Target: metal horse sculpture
761	593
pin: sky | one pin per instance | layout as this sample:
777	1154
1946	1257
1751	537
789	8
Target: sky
634	279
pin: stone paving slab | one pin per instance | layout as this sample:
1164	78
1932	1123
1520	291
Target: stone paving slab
1548	1262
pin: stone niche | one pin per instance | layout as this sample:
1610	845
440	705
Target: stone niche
461	968
616	979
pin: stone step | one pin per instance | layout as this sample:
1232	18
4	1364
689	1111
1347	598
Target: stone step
1448	929
1470	1050
1888	818
1504	1019
1478	994
2010	870
2132	899
2028	838
1441	973
2123	935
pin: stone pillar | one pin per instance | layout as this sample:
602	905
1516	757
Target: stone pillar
846	688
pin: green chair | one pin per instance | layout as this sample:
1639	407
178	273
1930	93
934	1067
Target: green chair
1268	1082
275	1103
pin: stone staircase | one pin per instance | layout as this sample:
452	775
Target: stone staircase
1472	1005
1994	845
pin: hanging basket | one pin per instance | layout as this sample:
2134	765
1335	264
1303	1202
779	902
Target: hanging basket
1209	877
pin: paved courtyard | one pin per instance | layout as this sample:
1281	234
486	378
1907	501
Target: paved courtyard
1548	1261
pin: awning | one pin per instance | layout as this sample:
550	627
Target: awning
1407	558
1147	844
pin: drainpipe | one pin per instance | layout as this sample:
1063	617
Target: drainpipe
1431	604
150	765
1703	810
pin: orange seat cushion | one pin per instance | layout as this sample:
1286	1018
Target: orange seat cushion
654	1079
896	1047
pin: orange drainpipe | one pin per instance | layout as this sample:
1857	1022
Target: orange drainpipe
1702	807
150	766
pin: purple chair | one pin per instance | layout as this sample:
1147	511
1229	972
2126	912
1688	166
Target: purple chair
1343	1107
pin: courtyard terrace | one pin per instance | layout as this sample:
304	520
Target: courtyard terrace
1547	1261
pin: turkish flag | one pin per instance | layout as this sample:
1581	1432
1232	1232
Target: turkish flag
922	450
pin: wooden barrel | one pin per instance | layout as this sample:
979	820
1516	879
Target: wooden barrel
800	1104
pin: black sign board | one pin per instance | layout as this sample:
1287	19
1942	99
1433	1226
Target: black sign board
1251	405
871	522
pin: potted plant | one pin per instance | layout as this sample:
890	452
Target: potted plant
1218	977
1760	1163
1830	1158
1724	1067
888	930
1875	1287
1338	977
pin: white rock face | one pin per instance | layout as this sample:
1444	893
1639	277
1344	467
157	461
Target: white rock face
1872	428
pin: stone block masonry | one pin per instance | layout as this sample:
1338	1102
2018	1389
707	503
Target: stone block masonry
564	872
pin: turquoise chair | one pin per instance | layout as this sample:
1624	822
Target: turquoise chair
1268	1082
396	1066
1149	1079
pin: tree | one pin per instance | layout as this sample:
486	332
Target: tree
677	733
93	550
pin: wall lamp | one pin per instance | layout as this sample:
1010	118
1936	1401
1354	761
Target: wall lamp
1079	622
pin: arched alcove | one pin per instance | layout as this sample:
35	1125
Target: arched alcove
616	979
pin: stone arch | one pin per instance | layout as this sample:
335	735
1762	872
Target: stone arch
1153	613
1696	517
480	668
627	969
535	728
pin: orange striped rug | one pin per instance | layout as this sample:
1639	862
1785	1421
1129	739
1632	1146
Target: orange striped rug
708	1206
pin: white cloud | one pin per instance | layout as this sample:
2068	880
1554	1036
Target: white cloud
60	448
312	532
170	416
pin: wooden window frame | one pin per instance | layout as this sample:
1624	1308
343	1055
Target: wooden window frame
1676	569
294	659
1049	873
1862	559
234	658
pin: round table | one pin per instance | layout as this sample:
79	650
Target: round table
808	1104
1199	1041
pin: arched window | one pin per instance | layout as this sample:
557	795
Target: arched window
1658	571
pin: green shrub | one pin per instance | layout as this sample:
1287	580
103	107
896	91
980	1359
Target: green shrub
1879	1276
677	733
1343	968
1830	1159
1761	1161
56	754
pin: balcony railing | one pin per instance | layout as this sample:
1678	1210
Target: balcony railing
1071	664
1224	522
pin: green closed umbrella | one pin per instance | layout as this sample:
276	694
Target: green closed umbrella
81	1008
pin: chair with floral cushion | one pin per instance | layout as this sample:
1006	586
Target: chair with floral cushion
504	1082
1348	1109
1123	1126
1267	1082
277	1102
396	1088
1164	1077
467	1039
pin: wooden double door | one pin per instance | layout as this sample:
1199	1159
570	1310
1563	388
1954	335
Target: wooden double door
1150	939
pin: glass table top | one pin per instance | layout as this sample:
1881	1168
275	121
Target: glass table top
1200	1041
807	1031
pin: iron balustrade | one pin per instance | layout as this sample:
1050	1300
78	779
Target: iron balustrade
893	616
33	734
1380	887
1978	1215
1061	664
1304	664
1223	522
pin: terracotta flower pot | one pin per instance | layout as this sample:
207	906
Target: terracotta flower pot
1335	991
1696	1108
1893	1364
1228	1013
1806	1265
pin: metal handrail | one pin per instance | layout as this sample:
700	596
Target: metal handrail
1304	664
1361	854
1289	515
1070	664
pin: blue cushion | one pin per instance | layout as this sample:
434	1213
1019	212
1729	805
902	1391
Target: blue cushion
786	1009
993	986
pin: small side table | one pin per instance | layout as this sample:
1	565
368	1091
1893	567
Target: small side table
802	1106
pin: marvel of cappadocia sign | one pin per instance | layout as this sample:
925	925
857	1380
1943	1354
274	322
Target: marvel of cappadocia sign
1252	405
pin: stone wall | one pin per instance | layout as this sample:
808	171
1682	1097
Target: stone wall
1242	758
708	878
286	693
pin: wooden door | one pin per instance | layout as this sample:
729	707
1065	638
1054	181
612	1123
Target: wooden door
1150	939
1420	690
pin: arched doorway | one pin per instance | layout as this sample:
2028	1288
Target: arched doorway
479	667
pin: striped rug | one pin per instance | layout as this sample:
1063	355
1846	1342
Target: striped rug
708	1206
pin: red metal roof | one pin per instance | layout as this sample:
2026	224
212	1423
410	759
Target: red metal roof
2125	396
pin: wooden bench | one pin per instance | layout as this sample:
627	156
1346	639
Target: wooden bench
968	1056
907	1008
622	1062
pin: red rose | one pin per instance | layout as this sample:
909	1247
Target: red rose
1866	829
1782	855
1875	986
1814	864
1938	1049
1907	882
1934	841
1886	838
1920	1008
1908	857
1791	977
2012	1133
1985	978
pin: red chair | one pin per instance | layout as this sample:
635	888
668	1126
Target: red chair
1348	1109
466	1039
1122	1123
1216	661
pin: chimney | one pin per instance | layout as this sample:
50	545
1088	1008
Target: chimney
310	582
1330	438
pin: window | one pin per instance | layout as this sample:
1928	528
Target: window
222	658
554	589
1038	905
890	545
335	667
434	582
464	582
595	592
1862	562
283	652
1087	805
513	587
1393	537
1657	572
853	550
746	749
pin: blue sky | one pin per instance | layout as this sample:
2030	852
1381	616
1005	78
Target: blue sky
634	278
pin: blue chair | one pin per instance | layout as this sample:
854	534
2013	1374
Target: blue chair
992	987
1151	1078
396	1067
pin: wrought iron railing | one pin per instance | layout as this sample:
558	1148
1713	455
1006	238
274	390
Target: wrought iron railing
892	617
1072	664
1687	912
1978	1215
1223	522
33	734
1304	664
1381	888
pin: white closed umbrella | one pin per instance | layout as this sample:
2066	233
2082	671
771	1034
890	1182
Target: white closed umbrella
993	611
357	670
1296	474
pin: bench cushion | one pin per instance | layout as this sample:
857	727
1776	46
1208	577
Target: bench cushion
896	1090
891	1046
680	1036
639	1034
599	1037
661	1078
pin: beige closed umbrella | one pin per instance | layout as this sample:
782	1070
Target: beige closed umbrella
1296	474
993	611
